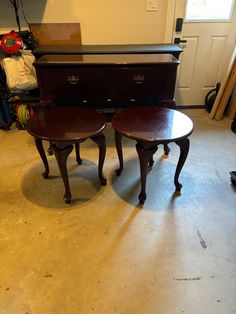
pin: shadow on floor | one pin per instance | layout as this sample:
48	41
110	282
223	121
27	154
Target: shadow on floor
83	179
160	188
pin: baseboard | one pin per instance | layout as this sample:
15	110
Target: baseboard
190	107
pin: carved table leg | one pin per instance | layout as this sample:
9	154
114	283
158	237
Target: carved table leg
100	140
118	138
61	153
50	152
151	162
166	149
184	148
39	145
145	153
77	150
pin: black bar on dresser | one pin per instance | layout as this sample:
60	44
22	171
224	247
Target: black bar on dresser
173	49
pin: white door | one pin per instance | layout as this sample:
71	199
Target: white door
209	27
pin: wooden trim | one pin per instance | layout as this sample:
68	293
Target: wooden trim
231	109
190	107
169	25
218	101
226	94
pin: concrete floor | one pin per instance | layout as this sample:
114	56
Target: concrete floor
104	253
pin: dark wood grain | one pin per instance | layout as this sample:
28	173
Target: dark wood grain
63	127
66	124
107	82
151	126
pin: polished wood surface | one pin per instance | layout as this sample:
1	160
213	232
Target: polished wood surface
64	127
151	126
113	59
107	82
66	124
173	49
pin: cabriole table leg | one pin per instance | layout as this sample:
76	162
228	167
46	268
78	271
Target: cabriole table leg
77	150
166	149
118	138
61	153
39	145
184	148
100	140
145	153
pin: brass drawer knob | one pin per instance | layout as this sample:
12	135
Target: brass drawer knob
139	79
73	79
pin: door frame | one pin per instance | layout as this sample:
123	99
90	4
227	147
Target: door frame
169	25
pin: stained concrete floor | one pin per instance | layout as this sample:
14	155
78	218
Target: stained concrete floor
104	253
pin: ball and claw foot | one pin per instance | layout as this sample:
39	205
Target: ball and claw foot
79	161
151	162
45	174
67	197
178	187
50	151
142	197
103	181
118	172
166	149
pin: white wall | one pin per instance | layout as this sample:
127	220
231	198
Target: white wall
102	21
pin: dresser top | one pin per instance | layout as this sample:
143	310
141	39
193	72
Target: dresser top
103	59
108	49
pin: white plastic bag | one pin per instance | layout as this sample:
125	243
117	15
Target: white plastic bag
20	72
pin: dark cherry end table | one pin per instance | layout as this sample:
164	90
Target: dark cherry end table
63	127
151	126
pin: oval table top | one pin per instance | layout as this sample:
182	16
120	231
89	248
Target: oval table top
154	124
65	124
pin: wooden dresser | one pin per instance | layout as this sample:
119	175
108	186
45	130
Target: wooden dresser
107	82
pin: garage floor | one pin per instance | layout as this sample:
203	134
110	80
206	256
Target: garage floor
104	253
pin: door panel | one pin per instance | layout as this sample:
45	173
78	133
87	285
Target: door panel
216	53
205	56
188	59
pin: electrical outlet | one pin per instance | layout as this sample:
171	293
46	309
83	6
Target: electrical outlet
152	5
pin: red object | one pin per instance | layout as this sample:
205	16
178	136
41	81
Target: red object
11	43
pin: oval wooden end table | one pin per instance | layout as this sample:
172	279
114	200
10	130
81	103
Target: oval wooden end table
63	127
151	126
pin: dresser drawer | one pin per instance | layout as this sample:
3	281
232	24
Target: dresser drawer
132	82
107	82
83	83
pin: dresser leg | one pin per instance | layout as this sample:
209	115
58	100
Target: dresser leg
100	140
145	154
184	148
118	138
39	145
61	153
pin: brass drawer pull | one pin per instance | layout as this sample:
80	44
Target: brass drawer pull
73	79
139	79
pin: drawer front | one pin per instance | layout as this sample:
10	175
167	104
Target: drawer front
82	83
128	82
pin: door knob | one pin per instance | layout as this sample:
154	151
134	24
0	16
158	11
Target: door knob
179	40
